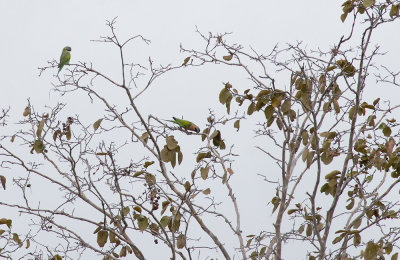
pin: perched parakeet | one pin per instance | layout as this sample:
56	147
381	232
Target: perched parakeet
64	58
186	124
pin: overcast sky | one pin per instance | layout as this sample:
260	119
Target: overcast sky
34	32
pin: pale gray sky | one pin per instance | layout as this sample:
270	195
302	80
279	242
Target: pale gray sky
34	32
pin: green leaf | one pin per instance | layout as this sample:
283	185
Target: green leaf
164	206
125	211
332	175
143	223
275	201
352	112
286	106
371	251
154	228
204	172
102	237
387	131
269	111
357	223
38	146
176	223
56	257
5	221
201	156
276	101
164	221
301	229
185	61
309	230
368	3
350	205
394	256
96	124
147	164
138	173
228	104
338	238
394	10
150	179
388	248
251	108
97	229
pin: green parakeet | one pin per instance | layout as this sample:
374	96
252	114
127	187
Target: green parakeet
64	58
186	124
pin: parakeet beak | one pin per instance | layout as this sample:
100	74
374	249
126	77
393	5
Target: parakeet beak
68	48
197	130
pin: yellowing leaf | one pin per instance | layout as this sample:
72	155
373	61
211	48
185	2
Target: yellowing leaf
389	146
145	137
68	133
102	237
185	61
96	124
224	95
40	128
125	211
394	10
228	57
27	111
5	221
172	144
371	251
206	191
181	241
237	124
17	239
201	156
187	186
204	172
